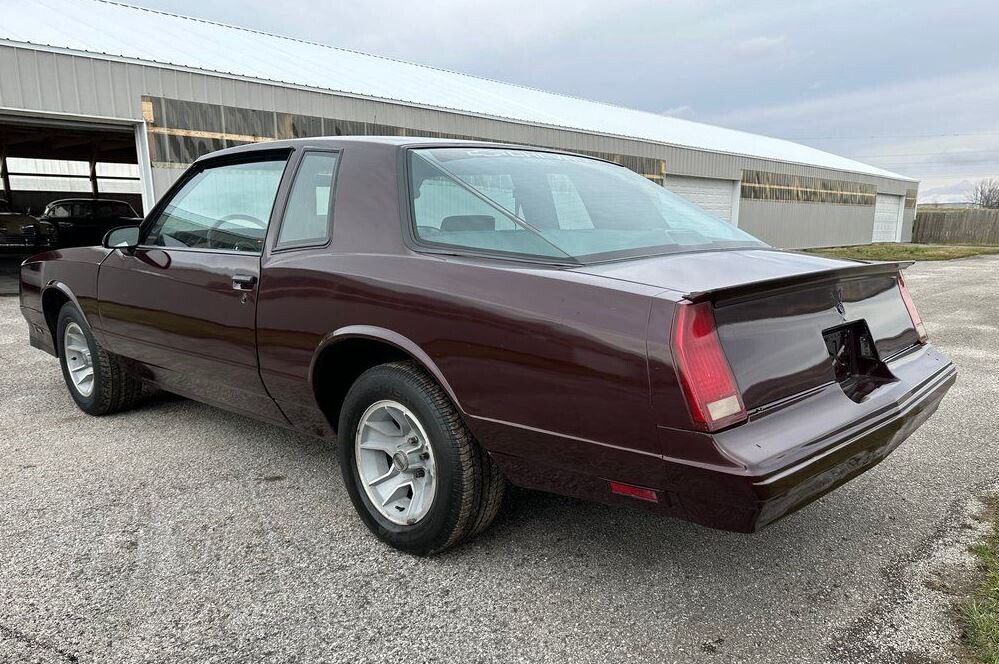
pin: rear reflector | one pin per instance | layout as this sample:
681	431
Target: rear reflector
633	491
917	322
706	379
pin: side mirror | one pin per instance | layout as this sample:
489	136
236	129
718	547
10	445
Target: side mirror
122	237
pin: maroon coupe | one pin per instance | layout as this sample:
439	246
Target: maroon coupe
465	315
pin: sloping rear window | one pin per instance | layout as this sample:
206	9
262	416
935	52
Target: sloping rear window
553	206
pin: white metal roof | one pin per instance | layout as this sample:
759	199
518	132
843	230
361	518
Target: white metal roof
124	32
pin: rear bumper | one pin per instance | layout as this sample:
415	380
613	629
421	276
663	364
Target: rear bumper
784	459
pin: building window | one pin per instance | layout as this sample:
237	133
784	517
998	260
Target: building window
182	131
766	186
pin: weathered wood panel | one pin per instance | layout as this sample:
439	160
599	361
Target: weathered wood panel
972	227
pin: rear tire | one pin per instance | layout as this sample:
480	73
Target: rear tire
95	378
468	487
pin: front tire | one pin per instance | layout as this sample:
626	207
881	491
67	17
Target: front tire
95	378
417	477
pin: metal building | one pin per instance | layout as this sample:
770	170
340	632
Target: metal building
177	88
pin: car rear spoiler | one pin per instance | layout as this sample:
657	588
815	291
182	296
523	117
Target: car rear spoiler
753	289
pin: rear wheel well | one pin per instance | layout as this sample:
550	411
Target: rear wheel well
53	300
340	364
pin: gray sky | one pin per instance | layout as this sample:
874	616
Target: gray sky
912	87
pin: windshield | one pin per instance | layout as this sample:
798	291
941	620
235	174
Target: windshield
554	206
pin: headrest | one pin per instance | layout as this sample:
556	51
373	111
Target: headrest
468	222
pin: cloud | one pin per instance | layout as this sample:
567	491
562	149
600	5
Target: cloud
757	46
930	128
685	112
953	192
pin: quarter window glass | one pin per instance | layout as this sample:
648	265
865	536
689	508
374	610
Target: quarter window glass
306	219
227	207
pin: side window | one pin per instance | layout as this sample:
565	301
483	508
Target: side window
114	209
123	210
226	207
306	217
58	211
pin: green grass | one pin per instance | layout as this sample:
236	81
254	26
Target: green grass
890	251
980	612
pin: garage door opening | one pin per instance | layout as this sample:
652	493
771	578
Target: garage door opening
62	182
888	211
717	197
40	159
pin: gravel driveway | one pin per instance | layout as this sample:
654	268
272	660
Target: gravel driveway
183	533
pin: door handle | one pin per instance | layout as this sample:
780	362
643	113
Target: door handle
243	282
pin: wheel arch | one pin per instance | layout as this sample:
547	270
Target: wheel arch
343	355
54	296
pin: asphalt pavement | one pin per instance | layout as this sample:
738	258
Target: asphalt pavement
182	533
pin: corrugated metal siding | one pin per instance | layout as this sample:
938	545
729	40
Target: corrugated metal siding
908	218
163	179
60	83
798	225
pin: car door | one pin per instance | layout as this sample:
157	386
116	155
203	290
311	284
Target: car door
183	303
298	251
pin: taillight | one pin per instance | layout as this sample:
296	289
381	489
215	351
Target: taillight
917	322
708	384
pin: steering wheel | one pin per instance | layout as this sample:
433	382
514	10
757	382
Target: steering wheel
210	235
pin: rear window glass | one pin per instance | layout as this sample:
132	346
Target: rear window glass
549	205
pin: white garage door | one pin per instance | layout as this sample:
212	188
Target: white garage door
887	218
712	195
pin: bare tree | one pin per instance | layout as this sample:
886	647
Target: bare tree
986	194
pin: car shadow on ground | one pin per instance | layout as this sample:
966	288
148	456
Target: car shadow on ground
533	526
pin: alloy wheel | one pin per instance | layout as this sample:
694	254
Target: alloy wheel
79	359
395	462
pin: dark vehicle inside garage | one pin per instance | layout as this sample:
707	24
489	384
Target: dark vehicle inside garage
17	229
80	222
88	154
51	214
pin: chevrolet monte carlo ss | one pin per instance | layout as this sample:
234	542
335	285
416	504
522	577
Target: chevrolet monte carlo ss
462	315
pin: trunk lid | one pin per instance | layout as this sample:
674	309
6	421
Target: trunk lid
781	316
